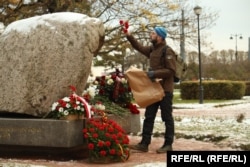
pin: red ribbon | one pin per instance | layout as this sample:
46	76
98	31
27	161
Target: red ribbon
116	88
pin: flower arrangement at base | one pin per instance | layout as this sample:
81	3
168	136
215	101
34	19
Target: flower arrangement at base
68	106
115	88
107	141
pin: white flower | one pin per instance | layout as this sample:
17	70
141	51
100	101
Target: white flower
91	91
108	77
54	105
78	107
66	99
123	80
110	82
100	106
96	82
60	109
84	92
65	112
67	105
77	102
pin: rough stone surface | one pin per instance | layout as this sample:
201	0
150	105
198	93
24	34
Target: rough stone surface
43	55
131	123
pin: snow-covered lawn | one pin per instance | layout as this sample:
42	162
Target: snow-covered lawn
226	126
225	132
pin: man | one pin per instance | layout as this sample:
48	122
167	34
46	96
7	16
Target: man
163	67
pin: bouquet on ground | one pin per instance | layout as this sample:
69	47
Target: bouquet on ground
115	87
107	141
71	105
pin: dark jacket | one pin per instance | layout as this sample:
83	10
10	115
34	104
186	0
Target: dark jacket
163	70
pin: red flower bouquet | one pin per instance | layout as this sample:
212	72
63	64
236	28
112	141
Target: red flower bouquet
115	87
107	141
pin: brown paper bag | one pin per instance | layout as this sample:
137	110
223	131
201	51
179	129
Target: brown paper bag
145	91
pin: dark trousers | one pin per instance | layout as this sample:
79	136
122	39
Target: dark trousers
166	114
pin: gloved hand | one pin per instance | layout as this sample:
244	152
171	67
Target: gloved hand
151	75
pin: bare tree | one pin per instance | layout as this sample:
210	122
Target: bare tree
142	15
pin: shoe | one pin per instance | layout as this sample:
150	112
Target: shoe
164	149
140	147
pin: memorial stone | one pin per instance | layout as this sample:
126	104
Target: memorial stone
41	56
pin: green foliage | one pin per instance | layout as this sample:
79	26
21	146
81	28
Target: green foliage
111	107
247	88
213	89
177	100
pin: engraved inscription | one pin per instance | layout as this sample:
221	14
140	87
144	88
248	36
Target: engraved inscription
7	132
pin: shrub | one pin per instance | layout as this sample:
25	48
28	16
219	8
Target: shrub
213	89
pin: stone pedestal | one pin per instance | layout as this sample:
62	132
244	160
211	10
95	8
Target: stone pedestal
49	137
131	123
41	132
45	138
135	125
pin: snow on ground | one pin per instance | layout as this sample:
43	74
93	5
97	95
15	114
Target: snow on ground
18	165
226	126
155	164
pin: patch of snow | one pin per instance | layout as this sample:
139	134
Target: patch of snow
25	25
154	164
29	1
186	120
9	164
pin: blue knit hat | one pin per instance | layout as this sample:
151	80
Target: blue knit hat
161	31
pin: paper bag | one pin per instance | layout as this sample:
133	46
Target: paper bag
145	91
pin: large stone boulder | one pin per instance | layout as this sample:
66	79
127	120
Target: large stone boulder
41	56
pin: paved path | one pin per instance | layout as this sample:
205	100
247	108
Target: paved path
150	158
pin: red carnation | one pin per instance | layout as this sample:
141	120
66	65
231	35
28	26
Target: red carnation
101	128
107	134
121	22
126	25
62	103
108	143
100	144
73	89
110	129
125	31
91	146
86	136
95	135
125	141
112	151
85	130
103	153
